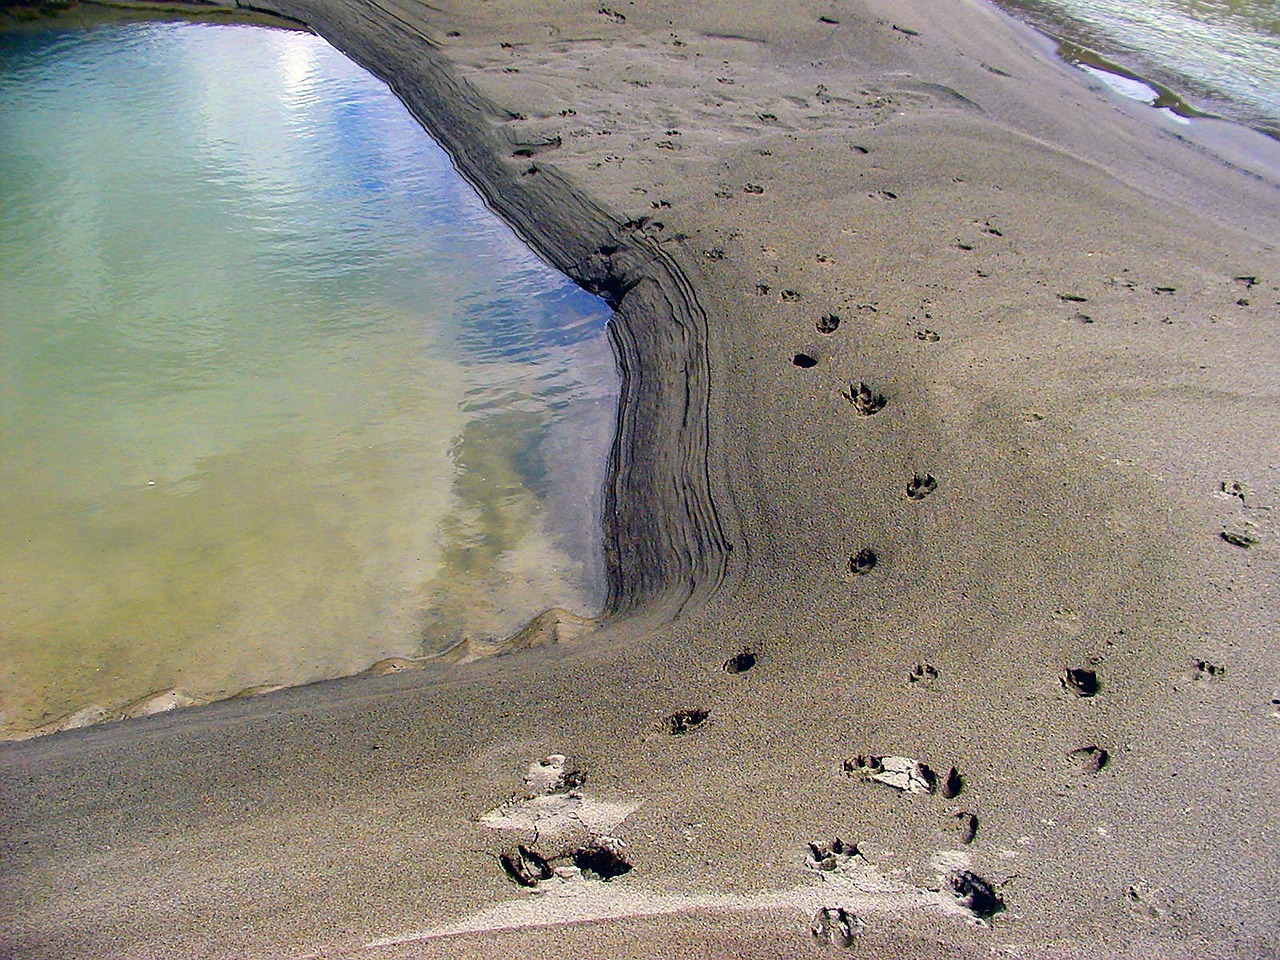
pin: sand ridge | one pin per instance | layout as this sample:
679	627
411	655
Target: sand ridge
1061	316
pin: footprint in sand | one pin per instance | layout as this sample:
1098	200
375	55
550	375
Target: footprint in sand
685	721
1080	681
600	859
804	361
829	857
525	866
964	825
906	774
1144	901
864	400
828	323
790	296
919	487
1204	670
740	662
923	673
975	894
863	561
1091	758
835	927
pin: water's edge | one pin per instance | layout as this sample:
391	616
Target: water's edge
666	539
1079	42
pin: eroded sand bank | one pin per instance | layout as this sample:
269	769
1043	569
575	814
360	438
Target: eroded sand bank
1069	312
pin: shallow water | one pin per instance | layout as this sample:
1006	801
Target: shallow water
1223	55
279	396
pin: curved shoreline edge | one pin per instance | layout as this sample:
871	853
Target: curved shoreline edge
1071	491
666	526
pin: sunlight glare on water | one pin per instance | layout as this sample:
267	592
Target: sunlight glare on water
279	397
1226	53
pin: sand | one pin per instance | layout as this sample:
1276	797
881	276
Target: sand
1049	288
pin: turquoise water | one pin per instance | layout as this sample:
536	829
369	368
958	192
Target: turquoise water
1222	55
279	397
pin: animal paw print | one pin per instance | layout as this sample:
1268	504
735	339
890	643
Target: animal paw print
835	927
924	673
919	487
1204	670
864	400
863	561
684	721
1091	758
1080	681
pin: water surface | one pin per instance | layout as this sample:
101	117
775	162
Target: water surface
279	397
1222	55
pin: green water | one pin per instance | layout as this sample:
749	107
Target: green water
278	396
1222	55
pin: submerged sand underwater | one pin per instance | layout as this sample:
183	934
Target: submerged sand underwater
281	398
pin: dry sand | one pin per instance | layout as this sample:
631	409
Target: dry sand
1042	283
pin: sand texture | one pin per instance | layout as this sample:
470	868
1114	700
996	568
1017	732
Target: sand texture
943	538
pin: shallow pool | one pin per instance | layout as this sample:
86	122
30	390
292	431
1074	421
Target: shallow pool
280	397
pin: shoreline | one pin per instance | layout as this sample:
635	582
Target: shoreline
652	570
1074	364
1069	32
648	576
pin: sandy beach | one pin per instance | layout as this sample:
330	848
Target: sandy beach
947	443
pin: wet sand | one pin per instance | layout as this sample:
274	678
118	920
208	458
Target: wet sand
1063	465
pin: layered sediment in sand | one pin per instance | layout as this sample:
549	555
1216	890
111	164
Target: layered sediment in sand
1067	311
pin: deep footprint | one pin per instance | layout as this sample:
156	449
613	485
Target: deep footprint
835	927
864	400
526	867
684	721
1091	758
601	858
828	323
1080	681
863	561
977	895
919	487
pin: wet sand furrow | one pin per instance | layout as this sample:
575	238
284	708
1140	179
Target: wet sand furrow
665	532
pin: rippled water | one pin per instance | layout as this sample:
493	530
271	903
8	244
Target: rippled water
1224	55
279	396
